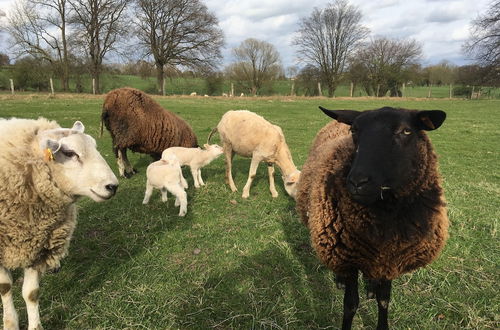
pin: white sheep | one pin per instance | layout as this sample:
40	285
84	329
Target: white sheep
250	135
44	169
166	175
195	158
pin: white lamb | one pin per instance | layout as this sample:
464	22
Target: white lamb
250	135
44	169
166	175
195	158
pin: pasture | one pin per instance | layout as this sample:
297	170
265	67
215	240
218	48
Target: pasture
247	264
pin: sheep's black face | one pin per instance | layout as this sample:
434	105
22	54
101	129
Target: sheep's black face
386	149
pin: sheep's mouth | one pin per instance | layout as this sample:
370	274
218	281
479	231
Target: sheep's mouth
101	196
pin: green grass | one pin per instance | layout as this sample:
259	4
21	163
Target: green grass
134	267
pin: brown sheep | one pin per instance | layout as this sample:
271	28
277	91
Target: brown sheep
373	201
137	122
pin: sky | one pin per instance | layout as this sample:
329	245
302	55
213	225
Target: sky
441	26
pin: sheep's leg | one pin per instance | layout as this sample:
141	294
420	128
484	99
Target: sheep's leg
181	197
126	170
251	175
351	298
272	187
10	320
228	152
194	173
30	295
383	293
183	181
147	194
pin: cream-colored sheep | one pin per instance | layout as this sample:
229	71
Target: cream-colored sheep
195	158
43	170
166	175
248	134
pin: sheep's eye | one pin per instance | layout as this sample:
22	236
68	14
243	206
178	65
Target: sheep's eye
353	130
69	153
406	131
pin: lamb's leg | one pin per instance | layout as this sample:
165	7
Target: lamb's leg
126	170
181	198
194	173
351	298
383	293
200	179
164	195
30	295
10	320
272	187
251	175
147	194
228	152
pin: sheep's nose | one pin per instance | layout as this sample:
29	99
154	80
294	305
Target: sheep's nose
111	188
359	181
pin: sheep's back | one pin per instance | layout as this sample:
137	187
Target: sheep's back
138	122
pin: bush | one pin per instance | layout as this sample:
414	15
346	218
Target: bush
31	74
464	91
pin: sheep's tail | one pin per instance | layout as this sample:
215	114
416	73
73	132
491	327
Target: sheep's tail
214	130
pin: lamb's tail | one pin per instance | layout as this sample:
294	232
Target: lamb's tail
214	130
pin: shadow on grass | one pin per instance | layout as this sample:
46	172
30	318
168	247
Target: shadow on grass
108	235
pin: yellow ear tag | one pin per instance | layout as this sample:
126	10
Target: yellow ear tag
48	155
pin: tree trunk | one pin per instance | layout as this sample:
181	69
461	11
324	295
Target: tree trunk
160	79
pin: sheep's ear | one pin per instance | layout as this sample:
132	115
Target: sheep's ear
49	148
78	127
429	120
342	116
206	145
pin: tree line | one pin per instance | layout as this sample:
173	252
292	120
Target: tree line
72	38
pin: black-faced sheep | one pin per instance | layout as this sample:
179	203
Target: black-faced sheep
43	170
137	122
250	135
373	201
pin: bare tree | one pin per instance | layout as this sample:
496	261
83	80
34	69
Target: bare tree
99	25
484	40
39	28
384	62
327	37
178	33
257	62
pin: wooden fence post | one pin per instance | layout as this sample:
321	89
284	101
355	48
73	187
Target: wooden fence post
429	93
403	92
51	86
232	90
319	89
292	91
93	86
451	91
12	86
352	89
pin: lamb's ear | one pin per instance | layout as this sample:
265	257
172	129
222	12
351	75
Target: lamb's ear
206	145
78	127
343	116
430	119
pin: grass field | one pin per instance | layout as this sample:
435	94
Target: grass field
247	264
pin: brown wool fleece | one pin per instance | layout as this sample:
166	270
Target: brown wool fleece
347	236
137	122
37	219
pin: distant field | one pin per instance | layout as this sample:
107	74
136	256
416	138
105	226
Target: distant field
186	86
135	267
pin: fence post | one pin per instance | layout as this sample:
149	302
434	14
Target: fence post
12	86
429	93
292	91
51	86
403	93
319	89
352	89
93	86
451	91
232	90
